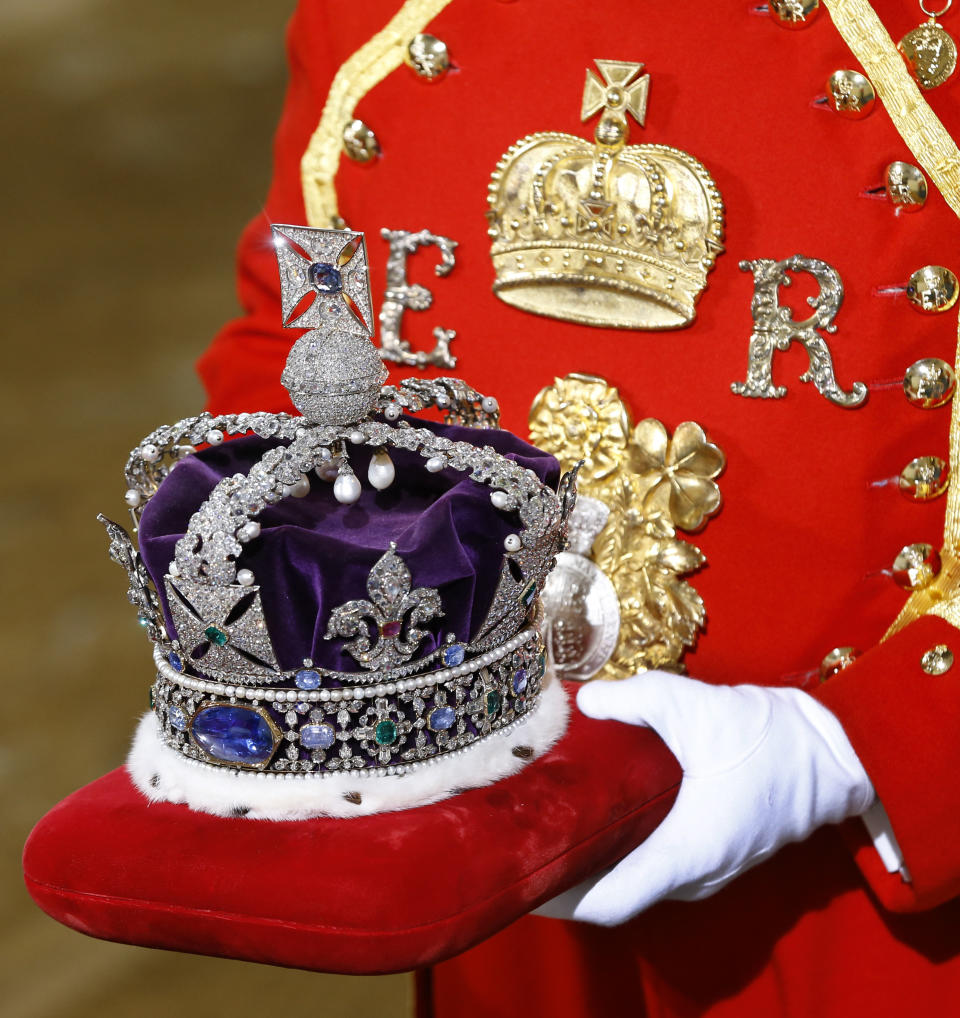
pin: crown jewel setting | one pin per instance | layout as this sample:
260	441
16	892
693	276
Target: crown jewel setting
605	234
221	697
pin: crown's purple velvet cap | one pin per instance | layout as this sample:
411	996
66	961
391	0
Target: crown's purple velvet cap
314	554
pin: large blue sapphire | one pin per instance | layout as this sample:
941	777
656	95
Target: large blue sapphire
441	718
326	277
233	734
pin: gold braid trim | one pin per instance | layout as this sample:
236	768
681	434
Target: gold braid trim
937	153
356	76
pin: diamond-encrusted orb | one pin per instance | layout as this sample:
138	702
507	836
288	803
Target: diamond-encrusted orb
937	660
317	736
334	377
307	678
326	277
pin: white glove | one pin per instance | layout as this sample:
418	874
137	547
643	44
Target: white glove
761	767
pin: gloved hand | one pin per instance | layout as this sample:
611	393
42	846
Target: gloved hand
761	767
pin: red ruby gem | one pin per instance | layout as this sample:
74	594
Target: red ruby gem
391	629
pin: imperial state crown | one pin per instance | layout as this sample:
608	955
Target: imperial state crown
360	647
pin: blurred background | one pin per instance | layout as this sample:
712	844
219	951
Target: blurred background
134	145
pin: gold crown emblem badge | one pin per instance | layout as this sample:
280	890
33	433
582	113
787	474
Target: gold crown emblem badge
605	234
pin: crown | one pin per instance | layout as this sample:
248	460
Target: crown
605	234
368	662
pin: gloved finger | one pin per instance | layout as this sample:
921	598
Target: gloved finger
651	872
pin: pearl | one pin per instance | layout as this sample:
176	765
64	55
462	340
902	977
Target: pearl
248	532
230	691
185	450
442	402
149	453
213	437
357	437
489	405
380	689
391	688
434	464
324	695
174	570
327	471
325	454
302	487
335	695
381	472
512	542
132	498
346	488
245	577
392	412
501	500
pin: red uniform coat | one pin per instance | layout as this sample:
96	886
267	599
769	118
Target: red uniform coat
799	558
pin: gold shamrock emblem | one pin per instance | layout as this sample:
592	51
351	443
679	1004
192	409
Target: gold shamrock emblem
654	484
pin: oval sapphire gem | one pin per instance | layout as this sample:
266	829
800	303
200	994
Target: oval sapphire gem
326	277
453	655
233	734
175	661
307	678
317	736
441	718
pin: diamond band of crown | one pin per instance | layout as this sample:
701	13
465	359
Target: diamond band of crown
220	696
605	234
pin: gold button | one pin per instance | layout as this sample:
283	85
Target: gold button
929	382
937	660
794	13
838	659
906	186
428	56
932	289
359	142
916	566
924	478
851	94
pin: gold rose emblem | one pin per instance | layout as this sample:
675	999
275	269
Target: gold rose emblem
654	484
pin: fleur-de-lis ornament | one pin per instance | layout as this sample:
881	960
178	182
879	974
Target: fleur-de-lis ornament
391	601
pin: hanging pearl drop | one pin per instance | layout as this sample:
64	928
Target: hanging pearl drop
301	489
381	472
346	488
328	470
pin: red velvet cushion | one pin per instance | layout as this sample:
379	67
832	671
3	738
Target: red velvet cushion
376	894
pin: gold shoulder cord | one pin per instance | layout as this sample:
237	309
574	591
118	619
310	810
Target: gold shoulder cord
937	153
361	72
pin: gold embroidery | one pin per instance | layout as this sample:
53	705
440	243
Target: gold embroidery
937	153
361	72
653	484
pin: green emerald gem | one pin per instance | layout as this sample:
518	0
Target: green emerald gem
541	665
385	733
528	593
152	702
215	635
493	702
